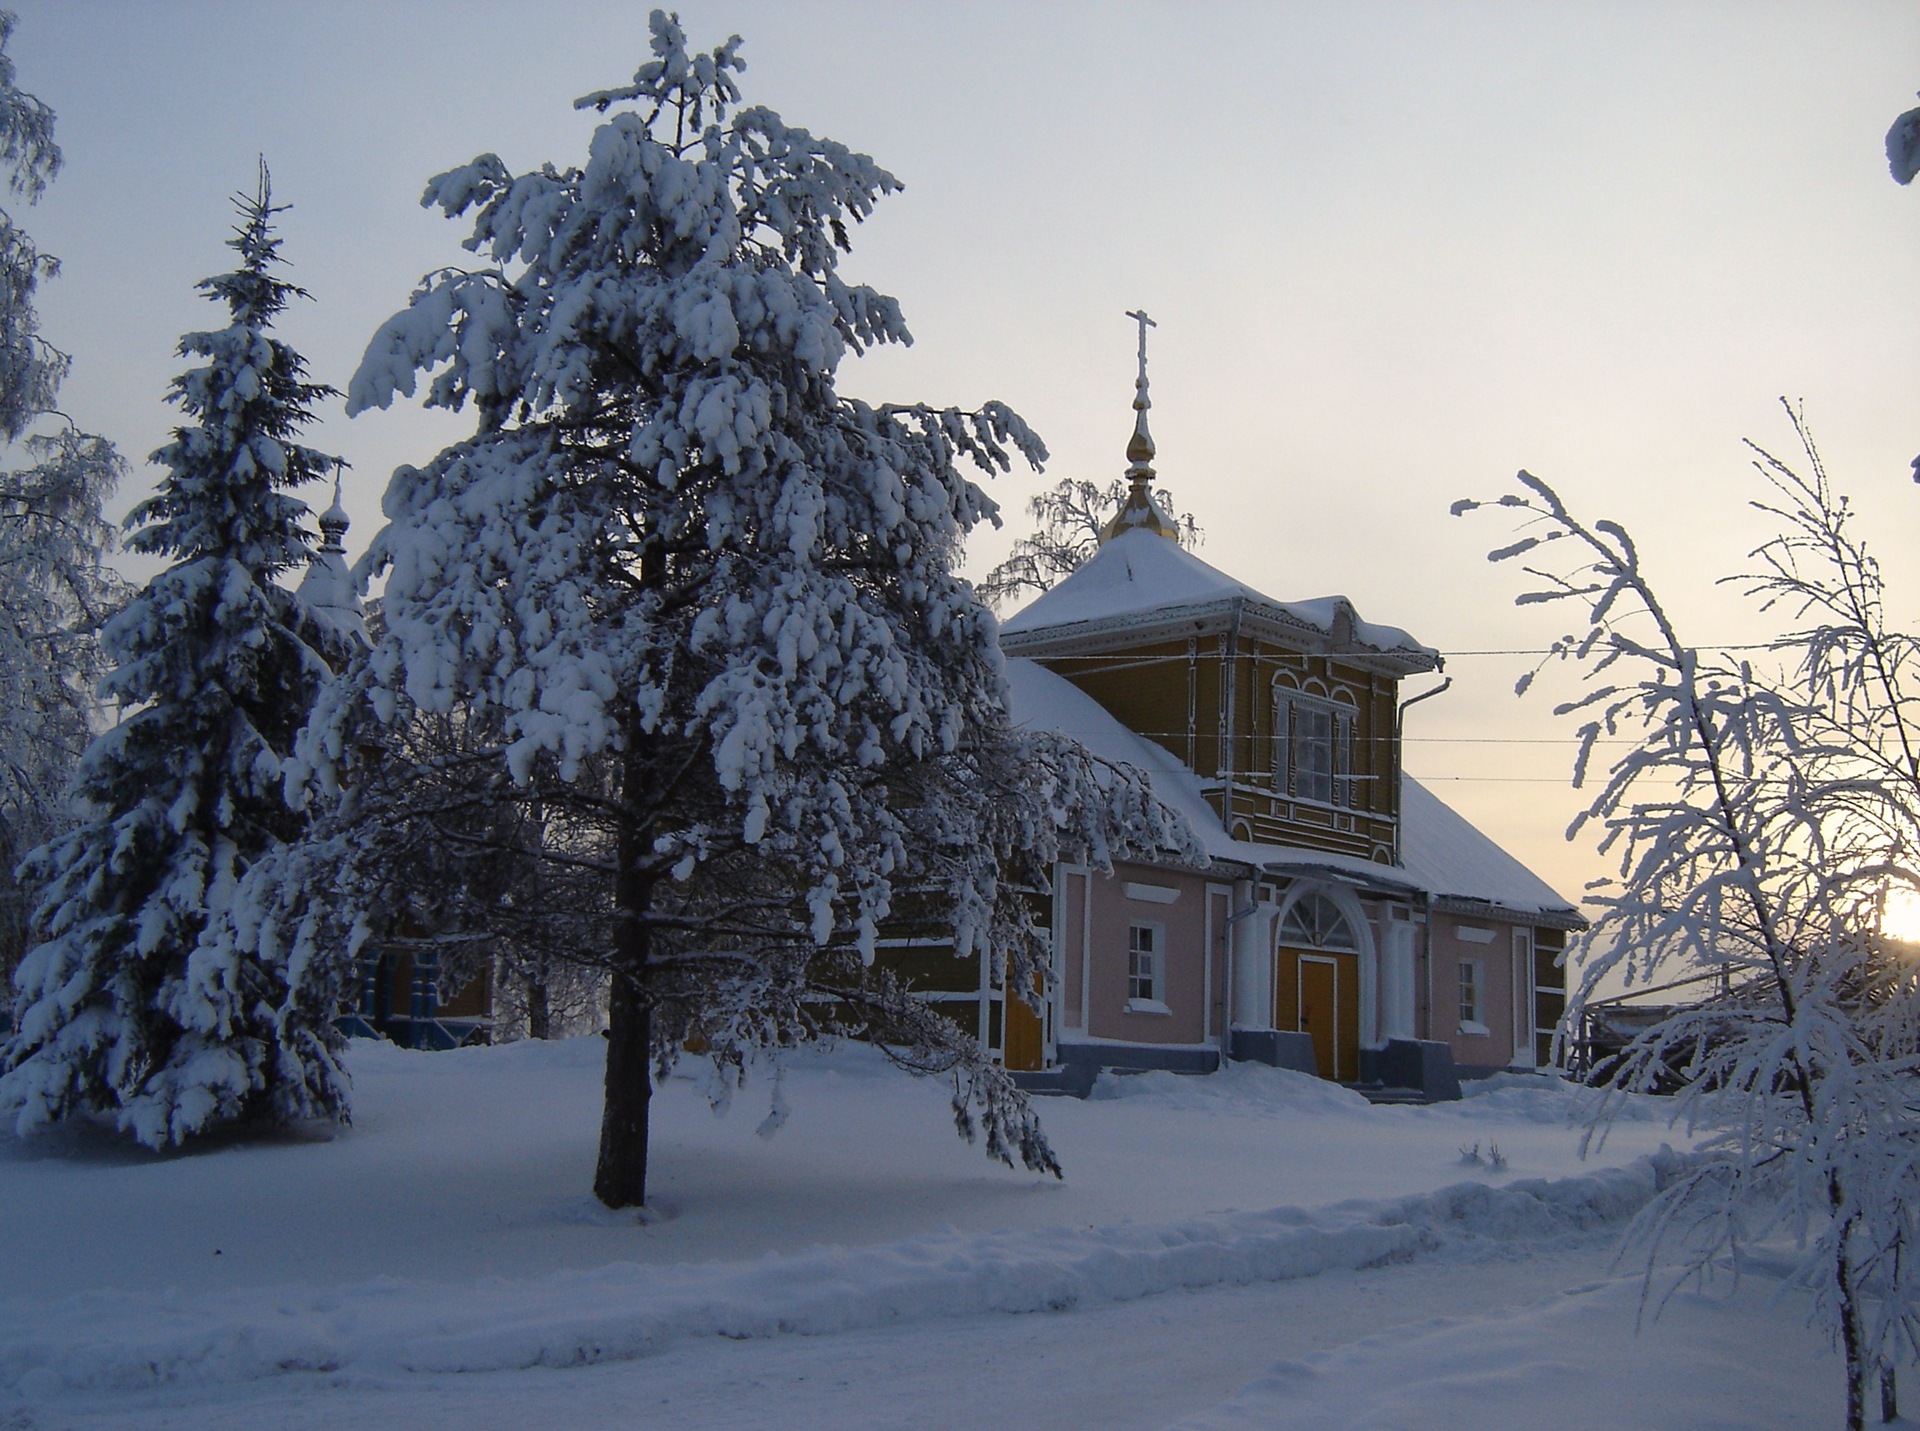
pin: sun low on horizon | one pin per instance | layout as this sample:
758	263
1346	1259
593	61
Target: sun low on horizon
1900	916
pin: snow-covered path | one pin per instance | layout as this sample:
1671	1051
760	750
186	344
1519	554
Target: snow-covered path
1134	1366
1440	1343
441	1265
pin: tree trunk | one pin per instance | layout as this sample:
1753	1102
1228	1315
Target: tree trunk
1857	1362
1889	1393
620	1179
539	1006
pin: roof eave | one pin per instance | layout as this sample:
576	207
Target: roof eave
1257	618
1550	918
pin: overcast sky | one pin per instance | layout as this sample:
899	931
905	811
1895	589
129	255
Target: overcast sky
1395	252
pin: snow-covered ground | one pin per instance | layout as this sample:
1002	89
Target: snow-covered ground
1255	1249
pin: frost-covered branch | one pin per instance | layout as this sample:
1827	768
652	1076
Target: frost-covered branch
1760	821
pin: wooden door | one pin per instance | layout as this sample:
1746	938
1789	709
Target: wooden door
1319	1011
1023	1038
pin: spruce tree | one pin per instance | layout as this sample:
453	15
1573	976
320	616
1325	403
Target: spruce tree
137	1002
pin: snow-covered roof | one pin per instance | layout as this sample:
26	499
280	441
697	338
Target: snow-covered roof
1448	856
327	590
1139	573
1441	853
327	587
1040	700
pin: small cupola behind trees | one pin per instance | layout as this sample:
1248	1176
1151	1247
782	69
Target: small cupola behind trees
1140	510
327	588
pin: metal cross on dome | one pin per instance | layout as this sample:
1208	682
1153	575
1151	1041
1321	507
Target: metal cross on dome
1139	315
1138	508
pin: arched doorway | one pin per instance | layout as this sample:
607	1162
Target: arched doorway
1317	982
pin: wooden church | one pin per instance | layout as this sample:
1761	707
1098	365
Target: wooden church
1347	923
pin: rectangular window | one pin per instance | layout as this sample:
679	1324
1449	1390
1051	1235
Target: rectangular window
1147	969
1143	962
1313	755
1470	986
1313	750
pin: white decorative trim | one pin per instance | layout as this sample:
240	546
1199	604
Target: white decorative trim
1472	934
1151	893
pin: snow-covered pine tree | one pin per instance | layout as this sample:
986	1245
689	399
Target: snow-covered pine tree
54	586
127	1007
1761	818
708	602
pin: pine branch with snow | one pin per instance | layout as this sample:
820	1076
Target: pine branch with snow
148	999
704	604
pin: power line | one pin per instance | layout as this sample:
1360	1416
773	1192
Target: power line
1551	651
1562	781
1120	661
1563	741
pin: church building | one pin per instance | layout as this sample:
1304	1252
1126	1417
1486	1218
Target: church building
1347	923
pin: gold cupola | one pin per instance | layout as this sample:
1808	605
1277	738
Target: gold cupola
1139	509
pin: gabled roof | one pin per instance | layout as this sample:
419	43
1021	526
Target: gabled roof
1138	577
1442	854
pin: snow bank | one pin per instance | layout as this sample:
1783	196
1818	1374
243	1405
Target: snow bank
1579	1361
126	1341
1237	1088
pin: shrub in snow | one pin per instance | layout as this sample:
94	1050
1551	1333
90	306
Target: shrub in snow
54	589
1761	819
146	998
696	612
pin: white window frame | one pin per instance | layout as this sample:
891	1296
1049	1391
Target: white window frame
1523	1043
1473	997
1146	992
1293	773
1314	921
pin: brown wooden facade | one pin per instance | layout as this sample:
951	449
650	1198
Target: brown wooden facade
1215	701
1307	940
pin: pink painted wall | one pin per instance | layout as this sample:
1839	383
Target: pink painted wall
1496	989
1185	923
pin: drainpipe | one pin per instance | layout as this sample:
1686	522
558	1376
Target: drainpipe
1400	717
1399	750
1243	896
1228	711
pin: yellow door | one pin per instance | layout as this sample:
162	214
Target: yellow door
1022	1039
1320	1011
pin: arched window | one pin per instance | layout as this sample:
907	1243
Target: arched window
1313	746
1316	922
